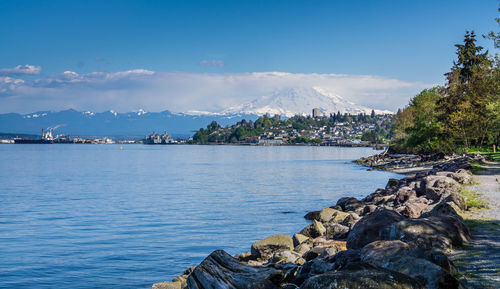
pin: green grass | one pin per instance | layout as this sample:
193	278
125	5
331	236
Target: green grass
494	156
488	151
476	168
472	200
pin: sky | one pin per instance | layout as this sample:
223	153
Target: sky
206	55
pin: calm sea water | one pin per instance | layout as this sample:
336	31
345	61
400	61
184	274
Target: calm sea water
97	216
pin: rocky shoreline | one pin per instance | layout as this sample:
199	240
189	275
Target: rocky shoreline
396	237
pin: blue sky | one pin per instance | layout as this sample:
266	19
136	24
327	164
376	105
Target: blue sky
411	41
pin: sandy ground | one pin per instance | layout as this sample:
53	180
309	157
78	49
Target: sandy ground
478	263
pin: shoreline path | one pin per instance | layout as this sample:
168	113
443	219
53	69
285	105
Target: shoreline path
478	263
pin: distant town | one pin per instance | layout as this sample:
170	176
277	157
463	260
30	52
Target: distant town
316	129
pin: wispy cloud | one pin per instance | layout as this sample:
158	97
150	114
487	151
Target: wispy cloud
21	69
180	91
212	63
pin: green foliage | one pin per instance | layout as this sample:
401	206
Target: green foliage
417	127
464	113
495	36
373	137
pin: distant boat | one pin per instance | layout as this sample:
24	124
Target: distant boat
155	138
47	138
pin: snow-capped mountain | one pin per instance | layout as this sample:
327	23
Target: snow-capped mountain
291	101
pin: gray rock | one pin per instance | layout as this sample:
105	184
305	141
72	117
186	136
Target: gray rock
336	231
443	232
413	209
285	257
462	176
443	208
378	252
265	248
167	285
220	270
313	230
329	251
392	184
314	215
368	209
299	239
350	220
302	248
343	258
436	186
370	228
400	257
403	195
360	276
331	215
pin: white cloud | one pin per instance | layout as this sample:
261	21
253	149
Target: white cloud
21	69
181	91
9	84
212	63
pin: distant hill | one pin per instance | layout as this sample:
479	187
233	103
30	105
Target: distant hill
119	125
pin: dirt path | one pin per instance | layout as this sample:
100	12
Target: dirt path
478	263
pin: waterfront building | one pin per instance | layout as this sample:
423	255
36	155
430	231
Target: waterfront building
316	112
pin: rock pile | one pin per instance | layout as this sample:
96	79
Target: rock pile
396	237
409	163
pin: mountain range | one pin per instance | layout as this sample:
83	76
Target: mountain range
286	102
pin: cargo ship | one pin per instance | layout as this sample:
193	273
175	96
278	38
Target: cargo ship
47	138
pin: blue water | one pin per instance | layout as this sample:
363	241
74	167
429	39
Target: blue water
97	216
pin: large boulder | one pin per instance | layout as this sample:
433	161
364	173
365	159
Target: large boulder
302	248
314	215
361	276
331	215
403	195
400	257
413	209
343	258
322	251
370	228
462	176
436	186
285	257
220	270
351	220
443	232
443	209
378	252
299	239
350	204
428	273
336	231
265	248
368	209
313	230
